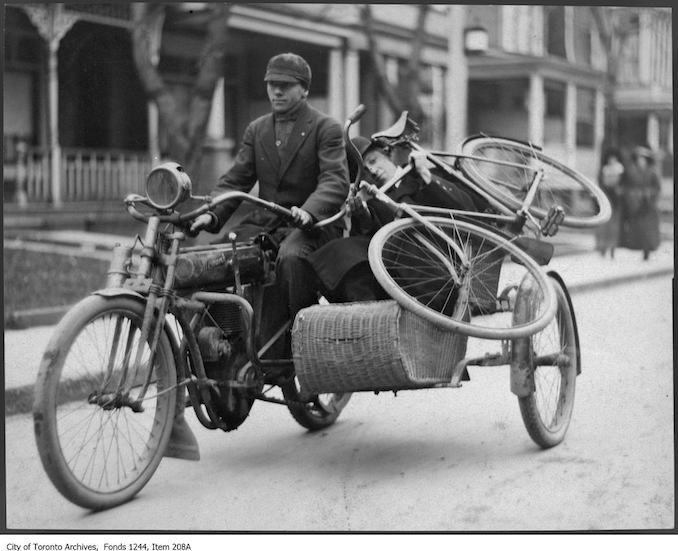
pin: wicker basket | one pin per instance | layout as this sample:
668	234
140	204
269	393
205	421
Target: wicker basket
371	346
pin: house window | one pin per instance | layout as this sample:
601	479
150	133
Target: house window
555	30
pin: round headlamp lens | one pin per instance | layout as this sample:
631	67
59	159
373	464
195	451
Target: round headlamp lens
167	185
162	187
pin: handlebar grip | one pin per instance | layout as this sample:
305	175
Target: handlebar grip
357	113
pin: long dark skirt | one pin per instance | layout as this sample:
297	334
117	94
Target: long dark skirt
641	231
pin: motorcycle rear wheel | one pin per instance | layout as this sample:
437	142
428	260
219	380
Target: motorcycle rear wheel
319	412
95	448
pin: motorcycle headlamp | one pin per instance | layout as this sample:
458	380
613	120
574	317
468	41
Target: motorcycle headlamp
167	185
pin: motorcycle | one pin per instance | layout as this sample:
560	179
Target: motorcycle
204	327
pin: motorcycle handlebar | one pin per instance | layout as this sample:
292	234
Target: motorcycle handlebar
180	219
183	219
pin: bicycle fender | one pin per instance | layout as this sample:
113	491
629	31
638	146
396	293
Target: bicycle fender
555	275
111	292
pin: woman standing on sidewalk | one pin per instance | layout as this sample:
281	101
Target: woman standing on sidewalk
640	190
609	178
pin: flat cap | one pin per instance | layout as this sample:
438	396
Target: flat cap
288	67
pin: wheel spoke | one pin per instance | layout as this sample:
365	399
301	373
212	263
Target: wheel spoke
106	450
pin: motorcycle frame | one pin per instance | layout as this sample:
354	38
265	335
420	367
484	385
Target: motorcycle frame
153	284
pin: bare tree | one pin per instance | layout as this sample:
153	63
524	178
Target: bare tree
185	122
406	95
615	26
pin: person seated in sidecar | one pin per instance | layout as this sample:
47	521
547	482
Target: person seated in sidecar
342	265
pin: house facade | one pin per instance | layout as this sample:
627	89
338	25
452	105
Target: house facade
78	127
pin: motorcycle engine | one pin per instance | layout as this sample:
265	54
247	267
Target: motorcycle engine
223	353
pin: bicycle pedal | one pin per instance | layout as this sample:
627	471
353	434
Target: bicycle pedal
551	222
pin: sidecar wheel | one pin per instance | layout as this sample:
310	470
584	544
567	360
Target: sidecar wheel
98	444
547	411
319	412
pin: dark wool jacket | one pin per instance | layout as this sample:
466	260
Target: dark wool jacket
310	173
333	261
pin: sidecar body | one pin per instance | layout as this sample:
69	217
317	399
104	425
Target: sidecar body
371	346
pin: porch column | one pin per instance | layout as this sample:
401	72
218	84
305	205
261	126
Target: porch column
438	107
457	77
599	124
653	131
571	124
352	84
669	145
154	39
335	85
535	110
216	124
52	24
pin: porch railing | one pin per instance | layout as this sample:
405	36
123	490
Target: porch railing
86	174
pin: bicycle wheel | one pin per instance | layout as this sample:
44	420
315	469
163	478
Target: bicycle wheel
317	413
553	357
96	446
583	202
456	287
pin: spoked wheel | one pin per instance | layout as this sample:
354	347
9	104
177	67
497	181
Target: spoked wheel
553	356
583	203
444	282
98	443
319	412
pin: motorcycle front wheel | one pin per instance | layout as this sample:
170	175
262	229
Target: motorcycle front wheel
98	443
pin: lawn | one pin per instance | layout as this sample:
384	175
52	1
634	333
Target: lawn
37	280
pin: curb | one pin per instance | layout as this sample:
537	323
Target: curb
618	280
19	400
24	319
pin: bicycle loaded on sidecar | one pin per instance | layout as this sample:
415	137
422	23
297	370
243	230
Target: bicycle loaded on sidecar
202	326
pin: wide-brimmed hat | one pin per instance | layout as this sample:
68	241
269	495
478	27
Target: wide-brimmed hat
288	67
362	144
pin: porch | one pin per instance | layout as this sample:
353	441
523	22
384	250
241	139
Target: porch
88	193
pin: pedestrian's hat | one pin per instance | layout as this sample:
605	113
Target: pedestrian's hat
288	67
641	151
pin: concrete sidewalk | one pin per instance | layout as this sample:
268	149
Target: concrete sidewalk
582	271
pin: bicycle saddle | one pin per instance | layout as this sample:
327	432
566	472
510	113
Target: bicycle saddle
398	129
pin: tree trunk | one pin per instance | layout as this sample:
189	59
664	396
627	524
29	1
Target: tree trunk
185	124
614	28
411	86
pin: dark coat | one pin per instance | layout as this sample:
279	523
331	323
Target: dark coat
333	261
640	191
310	173
607	234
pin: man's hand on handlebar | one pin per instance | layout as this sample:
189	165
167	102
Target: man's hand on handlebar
202	222
301	217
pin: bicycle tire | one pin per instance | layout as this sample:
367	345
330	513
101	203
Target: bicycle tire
413	265
547	410
97	452
319	412
583	202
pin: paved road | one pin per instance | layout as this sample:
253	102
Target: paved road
454	459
